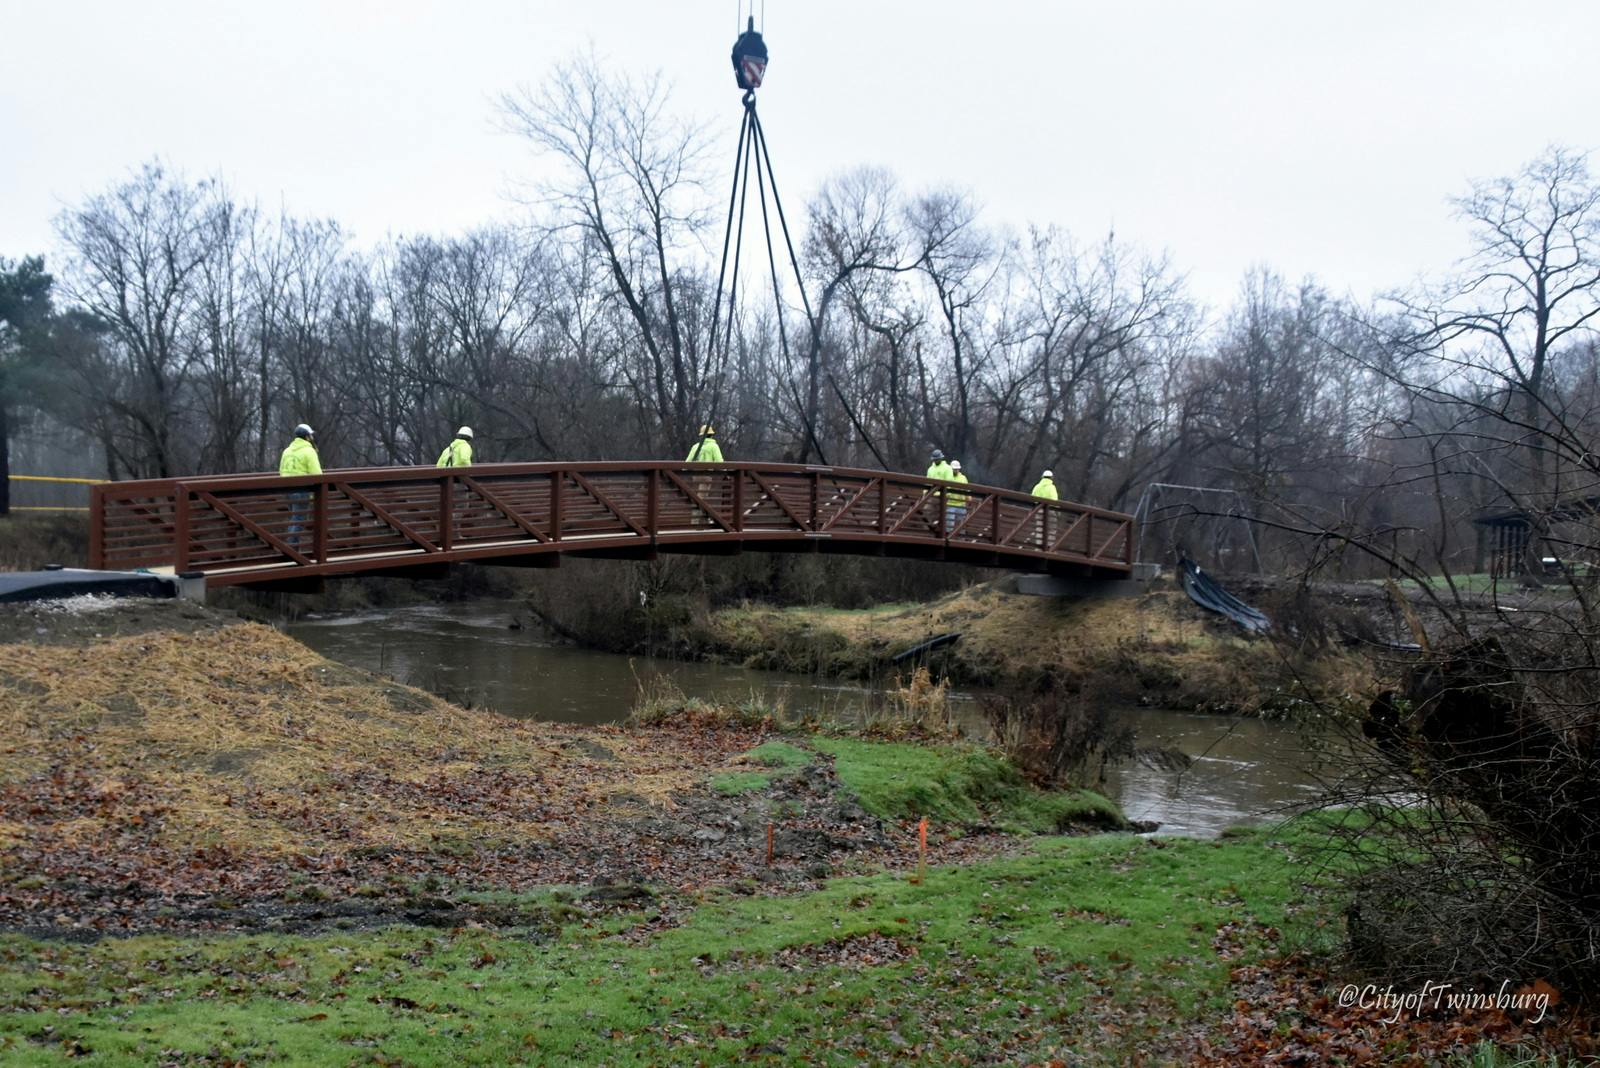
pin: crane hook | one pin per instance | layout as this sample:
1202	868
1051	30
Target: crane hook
749	58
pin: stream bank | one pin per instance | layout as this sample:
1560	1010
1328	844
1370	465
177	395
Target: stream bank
220	775
1243	769
1155	650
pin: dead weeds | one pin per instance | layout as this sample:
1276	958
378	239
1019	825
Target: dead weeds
1156	649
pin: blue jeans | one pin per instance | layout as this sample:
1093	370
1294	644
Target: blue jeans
299	515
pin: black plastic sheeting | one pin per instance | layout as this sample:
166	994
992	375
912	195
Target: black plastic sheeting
927	647
51	585
1206	592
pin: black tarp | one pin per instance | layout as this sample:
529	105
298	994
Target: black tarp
926	647
1206	592
51	585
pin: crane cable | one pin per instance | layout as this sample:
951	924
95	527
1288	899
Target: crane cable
749	63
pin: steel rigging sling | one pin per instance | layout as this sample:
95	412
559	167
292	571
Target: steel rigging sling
749	69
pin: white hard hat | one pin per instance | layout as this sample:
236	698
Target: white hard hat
304	431
955	465
1048	474
464	432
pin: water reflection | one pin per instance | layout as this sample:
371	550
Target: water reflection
471	654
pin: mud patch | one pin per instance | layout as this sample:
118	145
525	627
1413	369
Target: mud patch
122	710
233	761
589	748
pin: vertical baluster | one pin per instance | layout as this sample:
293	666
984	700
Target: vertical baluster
652	496
180	528
447	512
557	486
97	527
319	519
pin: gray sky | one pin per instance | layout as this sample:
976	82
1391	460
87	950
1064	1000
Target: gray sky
1315	138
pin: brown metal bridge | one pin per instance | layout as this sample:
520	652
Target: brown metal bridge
256	529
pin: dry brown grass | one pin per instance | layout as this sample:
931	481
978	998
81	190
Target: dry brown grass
29	540
242	737
1158	644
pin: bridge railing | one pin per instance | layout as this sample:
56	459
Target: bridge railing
240	528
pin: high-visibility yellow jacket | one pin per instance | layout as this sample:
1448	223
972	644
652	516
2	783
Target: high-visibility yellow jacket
958	500
456	454
1046	487
705	451
300	458
940	469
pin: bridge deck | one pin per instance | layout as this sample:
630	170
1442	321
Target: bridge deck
262	528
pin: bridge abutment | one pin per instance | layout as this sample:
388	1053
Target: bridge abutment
1086	586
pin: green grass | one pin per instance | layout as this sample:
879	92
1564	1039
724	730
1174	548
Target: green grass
1023	958
952	784
959	784
739	782
1482	582
777	755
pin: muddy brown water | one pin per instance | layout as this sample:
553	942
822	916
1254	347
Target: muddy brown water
1243	771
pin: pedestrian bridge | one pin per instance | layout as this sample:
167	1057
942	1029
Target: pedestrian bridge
263	529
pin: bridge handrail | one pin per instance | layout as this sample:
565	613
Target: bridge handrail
247	523
268	480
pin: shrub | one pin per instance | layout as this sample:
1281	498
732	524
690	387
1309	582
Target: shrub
1057	739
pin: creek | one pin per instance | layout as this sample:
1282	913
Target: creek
1242	771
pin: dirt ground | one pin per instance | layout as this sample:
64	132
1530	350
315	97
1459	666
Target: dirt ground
91	618
165	767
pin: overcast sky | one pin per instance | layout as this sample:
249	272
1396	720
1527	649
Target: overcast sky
1318	138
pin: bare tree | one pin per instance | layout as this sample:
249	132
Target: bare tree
136	252
631	188
1487	340
959	261
854	229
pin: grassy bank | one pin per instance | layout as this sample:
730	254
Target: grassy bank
1110	950
1157	648
1098	950
217	847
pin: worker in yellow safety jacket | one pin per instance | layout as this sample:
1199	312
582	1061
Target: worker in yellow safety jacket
299	458
956	475
459	452
938	466
706	450
955	503
1046	487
